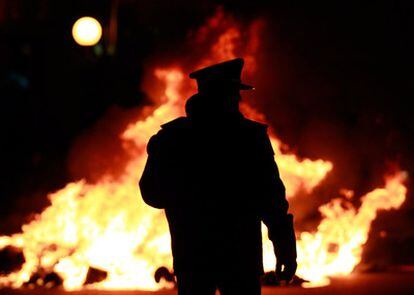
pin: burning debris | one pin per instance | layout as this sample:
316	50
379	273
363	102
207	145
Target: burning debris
103	235
270	279
95	275
163	273
42	278
12	260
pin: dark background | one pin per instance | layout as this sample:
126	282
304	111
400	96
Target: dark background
336	84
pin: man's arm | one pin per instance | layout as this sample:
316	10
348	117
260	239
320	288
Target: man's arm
274	208
151	179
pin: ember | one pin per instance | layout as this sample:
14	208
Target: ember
106	227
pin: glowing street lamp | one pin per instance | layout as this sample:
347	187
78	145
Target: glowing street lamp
87	31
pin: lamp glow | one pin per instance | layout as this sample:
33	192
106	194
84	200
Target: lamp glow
87	31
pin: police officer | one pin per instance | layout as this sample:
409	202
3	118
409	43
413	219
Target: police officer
214	174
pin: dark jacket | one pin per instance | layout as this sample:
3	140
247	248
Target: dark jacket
216	182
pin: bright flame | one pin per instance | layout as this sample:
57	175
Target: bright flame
87	31
336	247
107	226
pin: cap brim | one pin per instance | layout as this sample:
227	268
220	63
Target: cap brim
245	87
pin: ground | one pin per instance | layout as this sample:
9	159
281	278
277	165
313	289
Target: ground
358	284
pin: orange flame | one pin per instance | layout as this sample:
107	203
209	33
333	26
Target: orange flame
336	247
107	226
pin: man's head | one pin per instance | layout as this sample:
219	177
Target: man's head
221	78
220	85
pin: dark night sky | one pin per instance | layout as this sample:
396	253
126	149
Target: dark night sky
338	85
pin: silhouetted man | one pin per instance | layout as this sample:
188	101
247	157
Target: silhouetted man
214	173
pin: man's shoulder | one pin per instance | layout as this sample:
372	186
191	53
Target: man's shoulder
174	127
177	123
169	133
258	131
254	125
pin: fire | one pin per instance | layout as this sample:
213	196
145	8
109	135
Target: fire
107	226
336	247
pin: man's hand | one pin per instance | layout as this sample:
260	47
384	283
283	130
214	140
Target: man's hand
286	269
285	251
